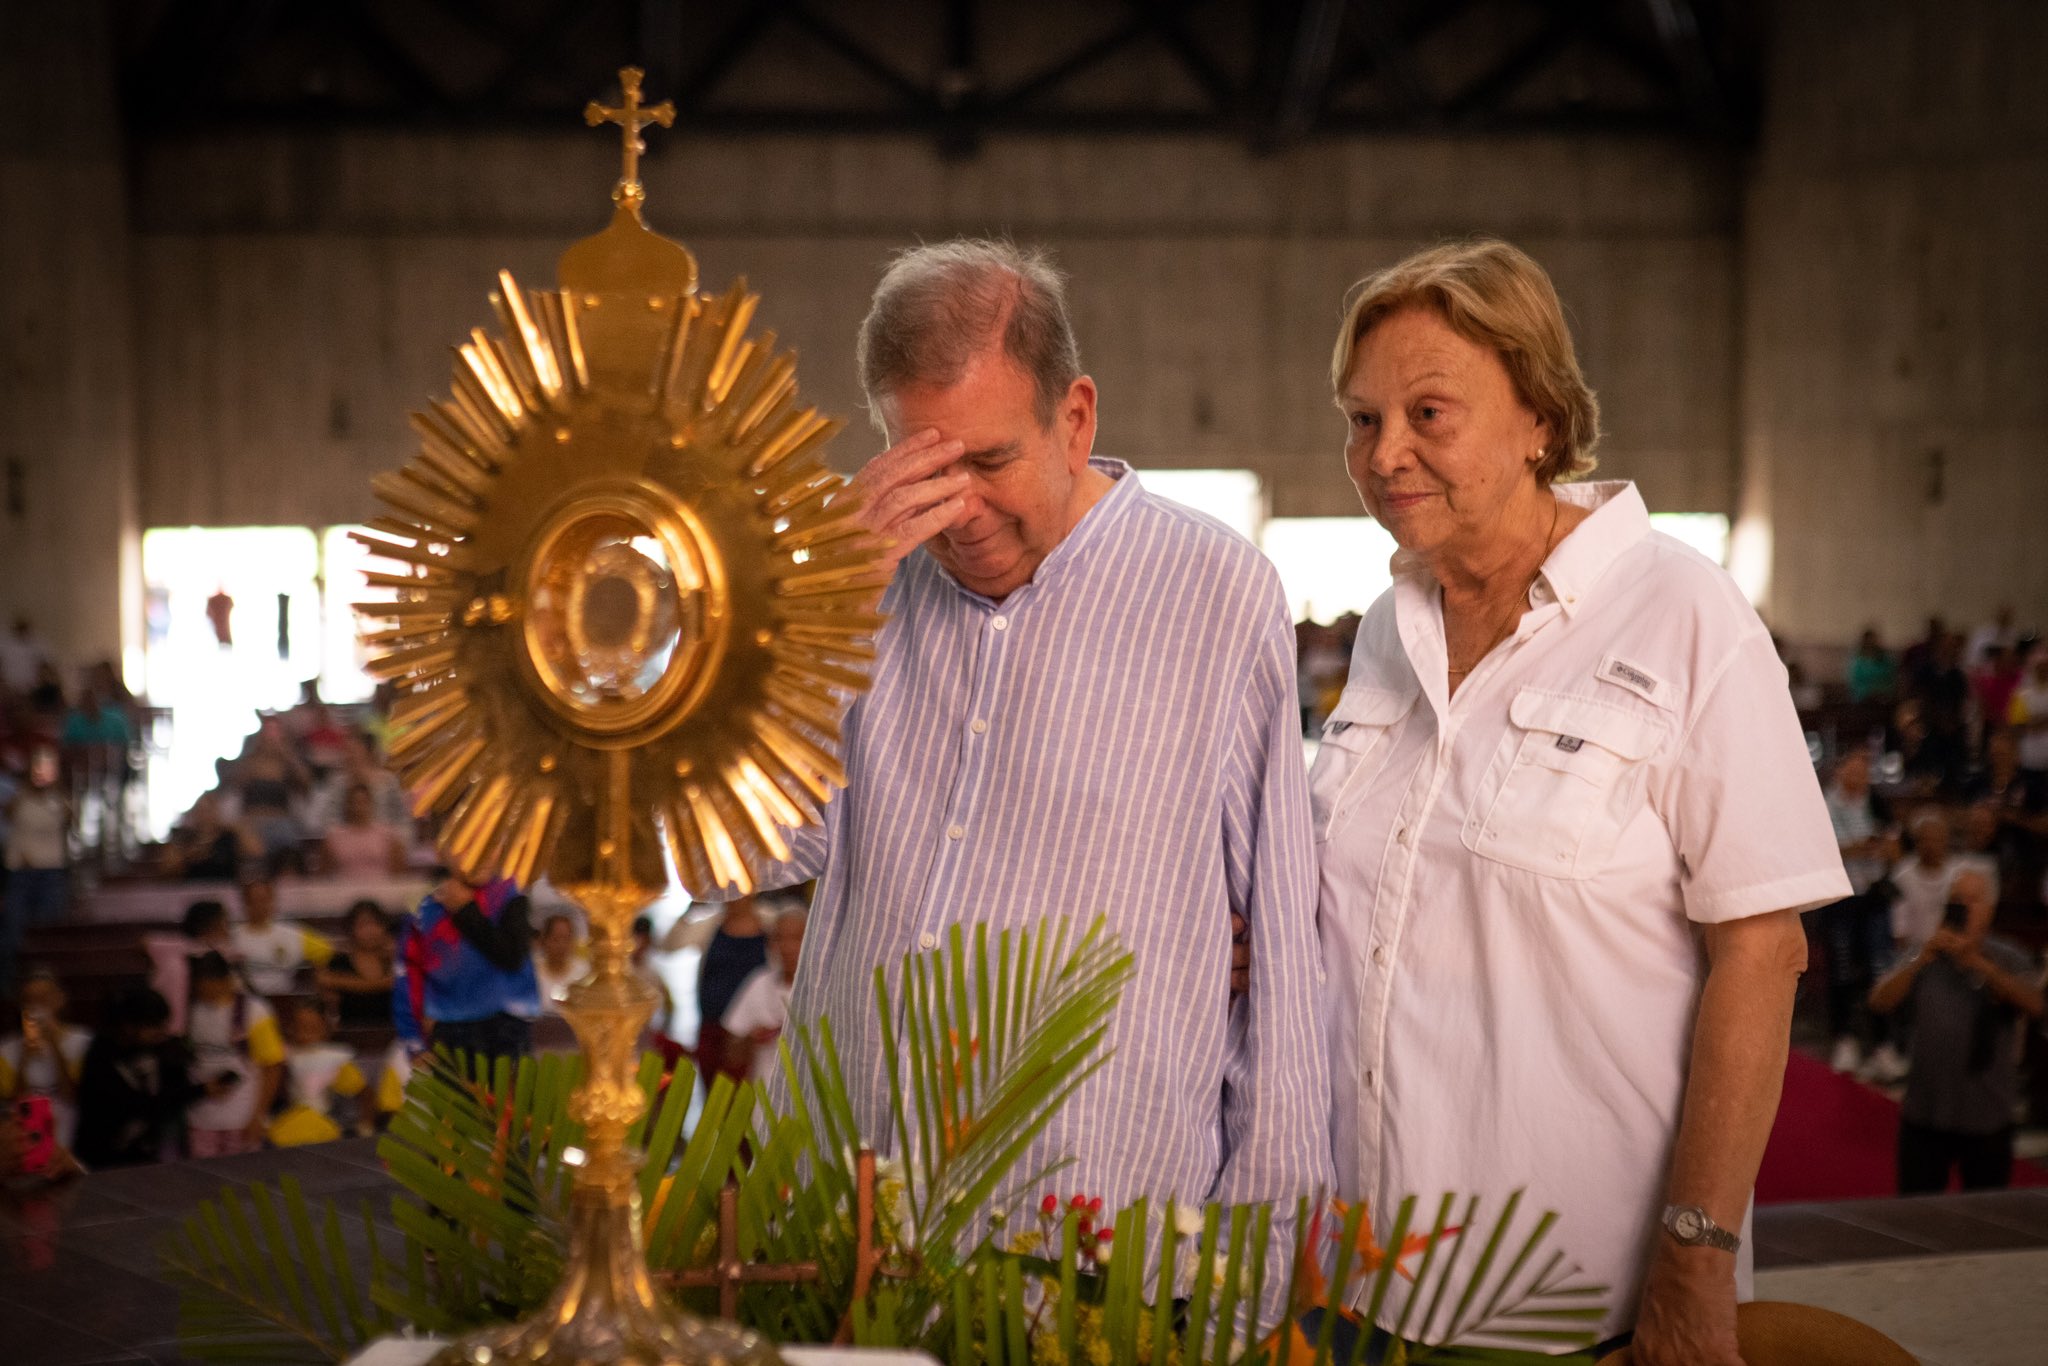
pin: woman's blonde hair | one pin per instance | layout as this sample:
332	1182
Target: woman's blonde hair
1493	295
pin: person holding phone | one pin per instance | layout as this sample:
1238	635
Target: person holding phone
1969	991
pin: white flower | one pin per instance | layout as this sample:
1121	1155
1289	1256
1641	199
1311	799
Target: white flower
1188	1221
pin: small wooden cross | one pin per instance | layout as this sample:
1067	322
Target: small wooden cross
731	1272
631	118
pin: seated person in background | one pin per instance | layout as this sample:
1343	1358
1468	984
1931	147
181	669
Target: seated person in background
360	846
558	960
205	847
761	1008
357	981
273	950
1873	673
1969	992
203	930
738	949
465	971
134	1086
238	1054
642	962
269	779
325	1092
359	768
45	1057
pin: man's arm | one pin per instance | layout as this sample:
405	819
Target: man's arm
1276	1103
1740	1037
506	940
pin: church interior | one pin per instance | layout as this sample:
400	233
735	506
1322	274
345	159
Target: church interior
1797	246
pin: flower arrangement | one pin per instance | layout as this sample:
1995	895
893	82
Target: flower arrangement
780	1212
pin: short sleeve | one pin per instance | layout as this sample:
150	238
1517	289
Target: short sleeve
266	1045
1742	803
317	949
749	1009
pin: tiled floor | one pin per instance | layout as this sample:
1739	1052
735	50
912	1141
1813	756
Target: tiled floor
80	1283
80	1280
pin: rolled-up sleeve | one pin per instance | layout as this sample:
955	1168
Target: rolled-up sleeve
1742	802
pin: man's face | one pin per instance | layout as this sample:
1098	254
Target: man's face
42	997
214	991
789	943
1026	490
558	941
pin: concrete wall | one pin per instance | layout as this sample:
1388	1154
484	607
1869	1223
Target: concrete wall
299	293
1895	302
69	553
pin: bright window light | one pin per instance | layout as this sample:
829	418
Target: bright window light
1232	497
1706	532
1329	565
264	581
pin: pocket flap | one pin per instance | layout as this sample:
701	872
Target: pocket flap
1362	706
1615	730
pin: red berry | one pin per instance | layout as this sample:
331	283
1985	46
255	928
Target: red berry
1086	1223
1051	1204
1079	1202
1105	1234
1095	1205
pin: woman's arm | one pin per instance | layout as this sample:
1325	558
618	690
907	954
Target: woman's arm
1740	1038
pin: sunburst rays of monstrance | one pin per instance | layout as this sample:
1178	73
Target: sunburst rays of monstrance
628	603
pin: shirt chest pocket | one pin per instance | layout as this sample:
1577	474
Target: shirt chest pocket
1567	777
1354	748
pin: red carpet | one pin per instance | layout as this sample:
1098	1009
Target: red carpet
1837	1139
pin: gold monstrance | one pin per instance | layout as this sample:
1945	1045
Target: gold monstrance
627	604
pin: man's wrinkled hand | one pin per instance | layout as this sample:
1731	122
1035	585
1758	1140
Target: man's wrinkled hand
1687	1316
910	493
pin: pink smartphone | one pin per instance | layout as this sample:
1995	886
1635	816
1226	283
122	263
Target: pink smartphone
38	1134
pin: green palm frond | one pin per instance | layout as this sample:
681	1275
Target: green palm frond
992	1044
271	1278
984	1041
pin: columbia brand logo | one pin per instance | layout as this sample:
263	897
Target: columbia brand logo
1631	675
1570	744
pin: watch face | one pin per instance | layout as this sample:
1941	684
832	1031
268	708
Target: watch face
1687	1224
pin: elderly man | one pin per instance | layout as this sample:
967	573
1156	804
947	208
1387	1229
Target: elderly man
1083	705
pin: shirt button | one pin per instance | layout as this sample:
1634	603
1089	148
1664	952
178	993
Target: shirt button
1368	1081
980	727
954	832
1401	836
1001	623
1379	953
927	940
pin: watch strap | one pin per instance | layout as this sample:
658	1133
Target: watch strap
1706	1233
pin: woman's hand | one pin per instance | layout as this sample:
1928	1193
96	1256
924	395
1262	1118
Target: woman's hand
1687	1316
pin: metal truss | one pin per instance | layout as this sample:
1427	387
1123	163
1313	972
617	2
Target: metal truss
1270	72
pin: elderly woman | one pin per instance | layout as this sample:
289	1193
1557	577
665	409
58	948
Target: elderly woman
1565	818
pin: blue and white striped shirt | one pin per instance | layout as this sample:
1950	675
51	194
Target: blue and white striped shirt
1120	738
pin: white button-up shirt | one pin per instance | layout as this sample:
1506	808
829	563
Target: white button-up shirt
1510	881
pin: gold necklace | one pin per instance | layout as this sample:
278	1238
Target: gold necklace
1501	632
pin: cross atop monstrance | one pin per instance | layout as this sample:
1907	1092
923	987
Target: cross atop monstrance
631	117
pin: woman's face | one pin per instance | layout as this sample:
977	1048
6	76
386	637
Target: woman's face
1438	443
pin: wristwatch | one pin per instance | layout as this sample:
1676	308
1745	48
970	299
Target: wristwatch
1691	1226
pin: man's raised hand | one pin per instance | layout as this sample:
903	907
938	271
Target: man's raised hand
909	493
